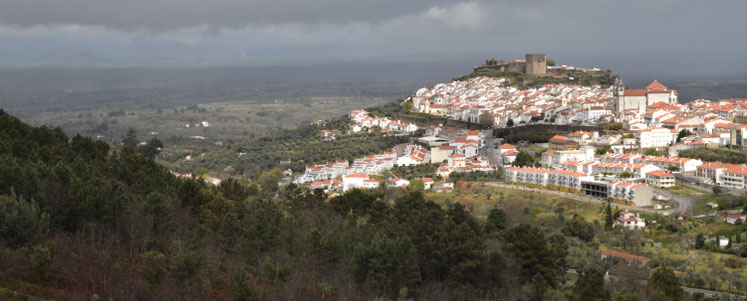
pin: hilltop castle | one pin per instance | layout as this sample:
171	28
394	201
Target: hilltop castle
535	64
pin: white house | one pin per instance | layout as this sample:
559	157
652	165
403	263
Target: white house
397	182
358	180
660	179
655	137
736	219
427	183
630	220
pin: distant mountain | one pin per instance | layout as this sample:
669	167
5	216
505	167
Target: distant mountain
72	57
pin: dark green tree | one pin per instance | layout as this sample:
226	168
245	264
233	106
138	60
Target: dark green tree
538	288
682	134
130	140
523	159
496	220
535	255
387	264
243	289
21	221
664	281
41	258
151	149
580	228
699	241
590	286
152	268
161	211
233	190
716	189
268	181
510	123
186	265
608	218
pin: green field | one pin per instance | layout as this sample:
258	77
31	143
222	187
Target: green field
683	190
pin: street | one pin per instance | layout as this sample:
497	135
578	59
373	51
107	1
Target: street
488	149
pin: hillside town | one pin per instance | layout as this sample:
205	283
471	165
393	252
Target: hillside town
495	101
633	163
613	165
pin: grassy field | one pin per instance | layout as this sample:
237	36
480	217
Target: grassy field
236	119
685	191
541	206
725	201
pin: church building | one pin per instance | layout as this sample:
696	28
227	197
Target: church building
640	99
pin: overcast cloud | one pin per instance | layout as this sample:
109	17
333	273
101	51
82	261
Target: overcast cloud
645	34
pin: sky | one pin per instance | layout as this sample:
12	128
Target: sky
631	36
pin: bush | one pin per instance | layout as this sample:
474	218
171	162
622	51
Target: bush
580	228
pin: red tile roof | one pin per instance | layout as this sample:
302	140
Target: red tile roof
656	85
660	173
614	253
357	175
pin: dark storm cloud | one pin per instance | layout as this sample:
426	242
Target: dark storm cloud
162	15
662	35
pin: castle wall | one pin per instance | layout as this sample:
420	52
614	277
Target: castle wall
517	66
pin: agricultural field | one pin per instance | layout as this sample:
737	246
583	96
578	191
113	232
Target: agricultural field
235	119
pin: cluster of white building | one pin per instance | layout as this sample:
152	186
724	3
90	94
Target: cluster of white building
323	174
604	176
459	151
494	101
653	115
656	118
364	121
623	192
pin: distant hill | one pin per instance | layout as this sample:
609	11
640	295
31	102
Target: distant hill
71	57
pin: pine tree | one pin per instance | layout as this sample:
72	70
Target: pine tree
608	217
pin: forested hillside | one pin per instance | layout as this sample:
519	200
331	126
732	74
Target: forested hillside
78	220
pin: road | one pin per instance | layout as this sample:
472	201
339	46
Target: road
488	148
690	290
684	204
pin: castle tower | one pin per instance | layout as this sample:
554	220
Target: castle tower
536	64
619	94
